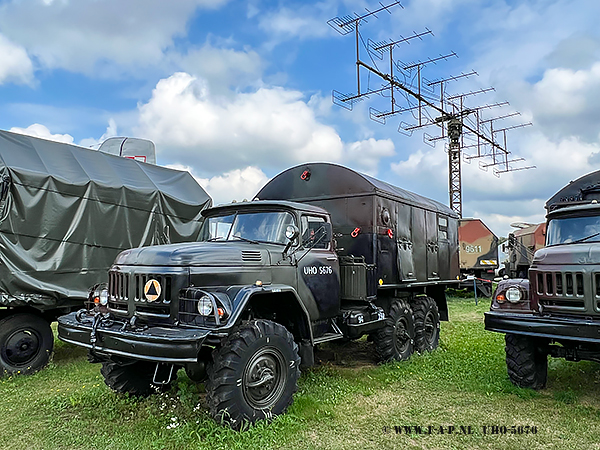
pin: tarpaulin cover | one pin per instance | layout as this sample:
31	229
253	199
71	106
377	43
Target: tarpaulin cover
67	211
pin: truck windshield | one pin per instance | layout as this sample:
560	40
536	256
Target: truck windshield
258	227
573	229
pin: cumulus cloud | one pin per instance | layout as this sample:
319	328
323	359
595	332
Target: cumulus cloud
238	184
41	131
88	36
223	68
16	66
271	127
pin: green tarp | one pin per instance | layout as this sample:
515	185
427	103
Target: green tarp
67	211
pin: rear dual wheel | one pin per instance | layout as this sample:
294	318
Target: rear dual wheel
395	341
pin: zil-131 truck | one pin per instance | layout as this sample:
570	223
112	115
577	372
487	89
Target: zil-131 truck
556	311
322	253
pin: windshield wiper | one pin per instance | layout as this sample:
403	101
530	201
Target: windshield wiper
216	238
244	239
585	238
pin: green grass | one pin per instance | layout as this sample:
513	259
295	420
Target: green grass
346	402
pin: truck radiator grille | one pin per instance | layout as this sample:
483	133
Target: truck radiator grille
118	291
166	286
561	290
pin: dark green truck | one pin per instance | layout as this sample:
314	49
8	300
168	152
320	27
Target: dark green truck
323	253
556	310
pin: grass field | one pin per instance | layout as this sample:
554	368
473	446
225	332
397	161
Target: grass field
346	402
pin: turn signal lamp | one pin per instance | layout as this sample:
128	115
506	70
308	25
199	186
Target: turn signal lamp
500	298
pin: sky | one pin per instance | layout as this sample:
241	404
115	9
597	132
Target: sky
237	91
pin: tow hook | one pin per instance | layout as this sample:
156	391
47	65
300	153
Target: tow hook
163	374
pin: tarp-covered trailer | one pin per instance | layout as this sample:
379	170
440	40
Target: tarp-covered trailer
411	240
65	213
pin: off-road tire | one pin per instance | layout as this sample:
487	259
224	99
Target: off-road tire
427	324
133	378
26	343
259	352
526	361
395	341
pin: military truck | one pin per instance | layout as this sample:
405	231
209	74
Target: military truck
478	255
323	253
556	311
520	247
65	214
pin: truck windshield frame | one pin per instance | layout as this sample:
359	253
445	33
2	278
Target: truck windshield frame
252	226
572	230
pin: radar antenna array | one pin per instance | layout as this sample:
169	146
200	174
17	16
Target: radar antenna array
428	102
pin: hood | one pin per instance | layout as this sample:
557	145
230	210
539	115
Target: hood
196	254
568	254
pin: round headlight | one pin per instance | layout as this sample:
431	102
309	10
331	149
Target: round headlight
291	232
513	295
205	306
103	297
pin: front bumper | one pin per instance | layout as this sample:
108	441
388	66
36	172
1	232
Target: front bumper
558	328
158	343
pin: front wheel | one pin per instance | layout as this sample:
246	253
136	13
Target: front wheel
395	341
26	343
254	374
526	361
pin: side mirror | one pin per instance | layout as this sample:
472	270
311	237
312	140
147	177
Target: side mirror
291	233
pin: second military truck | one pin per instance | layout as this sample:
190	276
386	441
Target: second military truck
322	253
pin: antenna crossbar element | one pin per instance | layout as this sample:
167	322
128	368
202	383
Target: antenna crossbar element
456	77
381	47
468	94
516	113
430	61
512	128
348	24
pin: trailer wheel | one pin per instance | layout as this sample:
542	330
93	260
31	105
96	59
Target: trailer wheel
132	377
26	343
253	375
526	361
395	341
427	324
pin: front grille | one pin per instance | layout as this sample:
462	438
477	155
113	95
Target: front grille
251	255
166	285
118	291
561	290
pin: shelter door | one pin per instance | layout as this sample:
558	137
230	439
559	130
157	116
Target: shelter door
432	246
404	243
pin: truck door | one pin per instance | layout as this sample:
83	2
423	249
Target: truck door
318	267
432	246
404	243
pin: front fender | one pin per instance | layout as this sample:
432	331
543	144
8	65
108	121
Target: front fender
245	295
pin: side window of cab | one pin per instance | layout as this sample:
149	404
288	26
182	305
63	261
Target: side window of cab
313	232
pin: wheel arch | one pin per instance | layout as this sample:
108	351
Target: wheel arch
283	307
